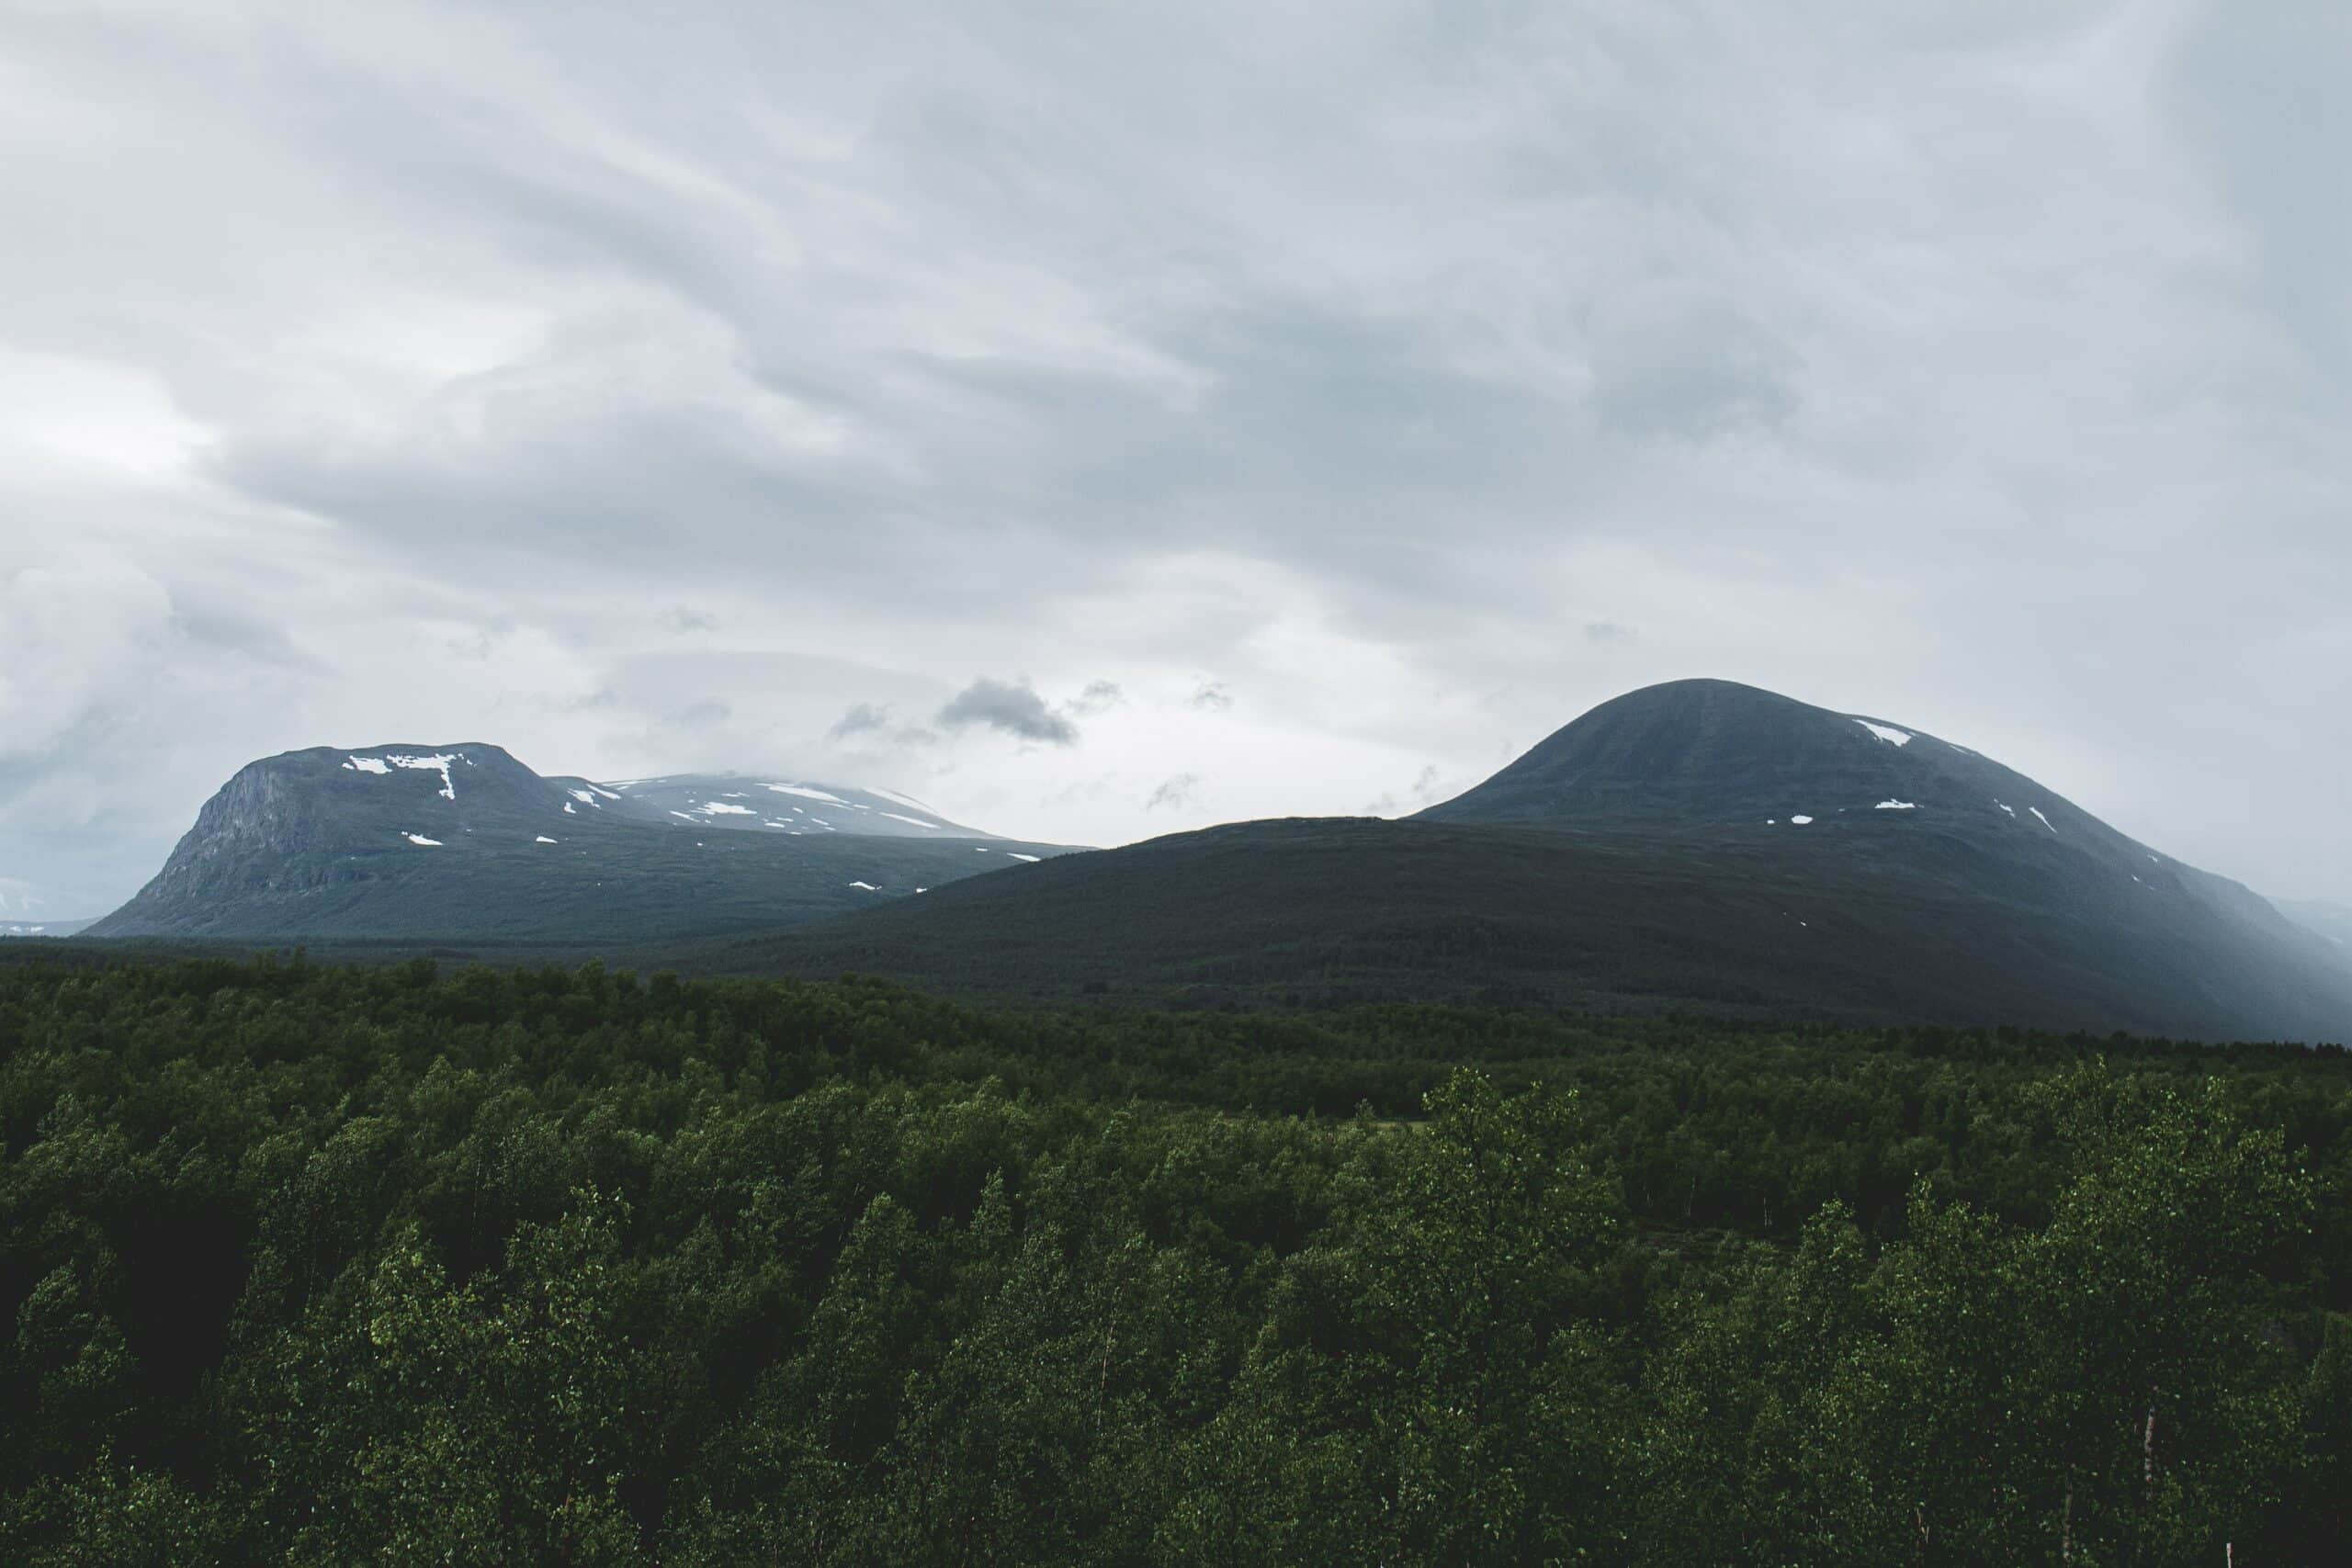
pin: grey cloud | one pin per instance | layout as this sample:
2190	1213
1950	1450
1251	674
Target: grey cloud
1177	793
1680	362
862	718
1424	791
929	339
1211	694
1011	708
1100	696
2252	92
603	699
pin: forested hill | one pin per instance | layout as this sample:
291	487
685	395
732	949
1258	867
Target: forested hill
337	1264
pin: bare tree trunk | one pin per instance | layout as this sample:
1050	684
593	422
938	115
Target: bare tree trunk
2066	1523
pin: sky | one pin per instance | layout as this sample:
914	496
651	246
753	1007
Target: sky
1104	420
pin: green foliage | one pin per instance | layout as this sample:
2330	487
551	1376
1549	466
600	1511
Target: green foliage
328	1265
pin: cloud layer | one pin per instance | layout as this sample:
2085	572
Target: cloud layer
1305	406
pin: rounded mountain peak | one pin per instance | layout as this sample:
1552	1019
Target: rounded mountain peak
1708	751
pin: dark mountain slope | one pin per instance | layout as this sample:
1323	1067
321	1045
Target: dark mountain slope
410	841
1715	752
1926	883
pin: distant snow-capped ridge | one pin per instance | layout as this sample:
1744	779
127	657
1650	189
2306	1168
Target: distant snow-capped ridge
463	840
767	802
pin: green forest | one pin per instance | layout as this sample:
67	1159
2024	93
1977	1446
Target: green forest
322	1264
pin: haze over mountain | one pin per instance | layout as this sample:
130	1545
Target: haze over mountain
44	928
2333	921
463	840
1696	842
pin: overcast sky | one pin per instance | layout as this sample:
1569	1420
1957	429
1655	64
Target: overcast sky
1104	420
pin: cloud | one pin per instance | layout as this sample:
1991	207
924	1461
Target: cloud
1010	708
1423	792
1212	695
1100	696
1677	361
862	718
1378	369
1177	793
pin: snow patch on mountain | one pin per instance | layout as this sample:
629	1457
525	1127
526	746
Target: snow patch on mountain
437	764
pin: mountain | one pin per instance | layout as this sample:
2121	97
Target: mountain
403	841
1715	751
1699	843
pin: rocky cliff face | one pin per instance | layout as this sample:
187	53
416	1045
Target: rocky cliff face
314	818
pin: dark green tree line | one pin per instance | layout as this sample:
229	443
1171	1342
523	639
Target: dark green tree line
324	1265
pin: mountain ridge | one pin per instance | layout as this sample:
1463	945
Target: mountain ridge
464	840
1701	843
